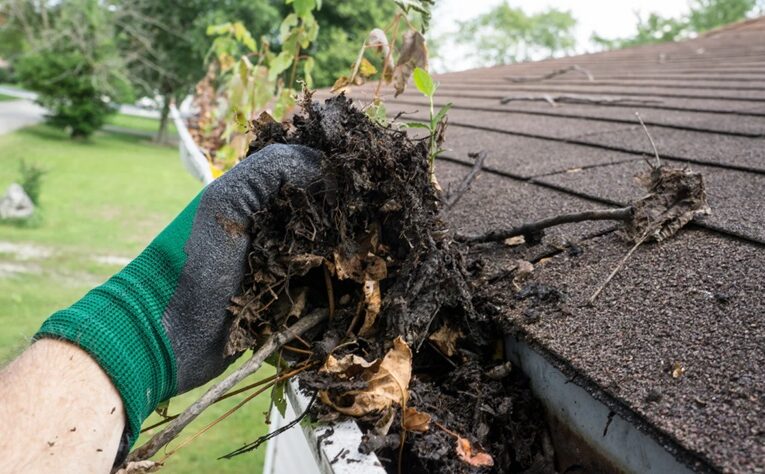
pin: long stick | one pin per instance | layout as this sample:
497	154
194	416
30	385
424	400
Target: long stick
274	342
620	214
455	196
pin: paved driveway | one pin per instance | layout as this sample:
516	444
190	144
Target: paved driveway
15	114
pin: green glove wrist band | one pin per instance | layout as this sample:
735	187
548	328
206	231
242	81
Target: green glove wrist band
120	323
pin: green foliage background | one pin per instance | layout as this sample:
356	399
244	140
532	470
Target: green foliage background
704	15
507	34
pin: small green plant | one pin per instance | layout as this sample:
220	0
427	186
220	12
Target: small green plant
31	180
425	84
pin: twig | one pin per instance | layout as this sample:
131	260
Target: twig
297	350
553	100
330	292
274	342
210	425
462	188
170	418
255	444
557	72
616	270
655	151
619	214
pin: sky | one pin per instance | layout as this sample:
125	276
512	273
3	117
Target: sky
608	18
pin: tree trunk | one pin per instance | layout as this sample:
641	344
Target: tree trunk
163	117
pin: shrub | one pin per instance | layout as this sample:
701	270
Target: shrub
31	180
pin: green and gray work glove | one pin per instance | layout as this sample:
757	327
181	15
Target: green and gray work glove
158	327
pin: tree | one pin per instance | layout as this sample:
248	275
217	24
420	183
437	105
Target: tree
709	14
166	42
507	34
704	15
71	61
652	29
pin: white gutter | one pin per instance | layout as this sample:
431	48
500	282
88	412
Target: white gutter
191	156
323	449
613	437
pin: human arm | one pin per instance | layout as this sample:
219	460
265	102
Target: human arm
60	412
158	327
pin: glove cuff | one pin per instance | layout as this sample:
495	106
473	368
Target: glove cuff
120	323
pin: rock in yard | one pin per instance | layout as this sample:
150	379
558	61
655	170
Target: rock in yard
16	204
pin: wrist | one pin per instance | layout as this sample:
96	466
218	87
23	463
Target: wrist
120	324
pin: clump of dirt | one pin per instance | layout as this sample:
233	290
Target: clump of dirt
406	350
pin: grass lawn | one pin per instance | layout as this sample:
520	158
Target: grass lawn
143	124
102	201
6	97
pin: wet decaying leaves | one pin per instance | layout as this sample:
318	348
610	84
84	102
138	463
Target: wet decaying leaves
675	196
407	347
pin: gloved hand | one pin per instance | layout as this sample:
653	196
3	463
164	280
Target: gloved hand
159	326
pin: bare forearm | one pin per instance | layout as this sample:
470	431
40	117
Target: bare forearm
60	412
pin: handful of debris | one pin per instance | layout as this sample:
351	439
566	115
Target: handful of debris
361	272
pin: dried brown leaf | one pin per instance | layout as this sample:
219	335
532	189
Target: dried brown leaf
414	53
348	267
300	264
387	381
416	420
379	42
473	457
373	302
523	270
445	339
375	268
382	426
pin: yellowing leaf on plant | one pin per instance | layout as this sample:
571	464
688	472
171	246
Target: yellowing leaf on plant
340	85
387	381
366	68
414	53
471	456
414	420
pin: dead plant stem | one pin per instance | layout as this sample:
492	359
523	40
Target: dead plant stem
273	343
653	145
616	270
330	292
619	214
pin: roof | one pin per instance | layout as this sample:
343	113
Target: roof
695	301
